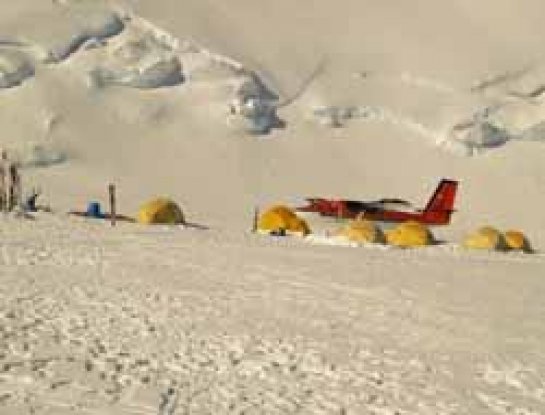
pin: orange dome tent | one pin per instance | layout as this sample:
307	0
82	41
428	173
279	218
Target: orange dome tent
160	211
516	240
409	234
485	237
362	231
282	219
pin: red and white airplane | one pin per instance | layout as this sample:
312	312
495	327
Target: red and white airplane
437	211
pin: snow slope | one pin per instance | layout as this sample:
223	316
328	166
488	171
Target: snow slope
203	89
227	106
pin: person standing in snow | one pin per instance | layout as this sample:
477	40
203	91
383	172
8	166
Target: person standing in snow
15	190
4	181
10	183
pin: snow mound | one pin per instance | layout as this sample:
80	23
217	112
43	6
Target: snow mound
83	25
143	56
339	116
341	241
203	65
14	68
38	155
475	136
466	121
467	138
534	133
140	63
67	29
254	105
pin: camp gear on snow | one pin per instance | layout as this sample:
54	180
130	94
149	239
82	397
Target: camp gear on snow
278	232
30	203
93	211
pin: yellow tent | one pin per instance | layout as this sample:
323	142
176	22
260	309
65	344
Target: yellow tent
283	219
409	234
362	231
161	210
485	237
517	241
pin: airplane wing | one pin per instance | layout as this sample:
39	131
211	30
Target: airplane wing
393	201
333	207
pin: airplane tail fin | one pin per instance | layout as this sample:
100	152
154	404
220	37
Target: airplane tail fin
441	204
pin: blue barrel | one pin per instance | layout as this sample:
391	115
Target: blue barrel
93	210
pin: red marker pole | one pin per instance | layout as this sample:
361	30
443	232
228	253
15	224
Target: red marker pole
111	191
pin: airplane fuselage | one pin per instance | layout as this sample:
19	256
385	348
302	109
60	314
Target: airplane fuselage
437	212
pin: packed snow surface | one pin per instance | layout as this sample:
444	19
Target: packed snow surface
133	319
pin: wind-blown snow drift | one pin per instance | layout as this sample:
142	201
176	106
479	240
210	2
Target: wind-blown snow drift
70	28
15	67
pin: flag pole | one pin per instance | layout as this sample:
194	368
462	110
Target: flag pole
111	191
255	219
